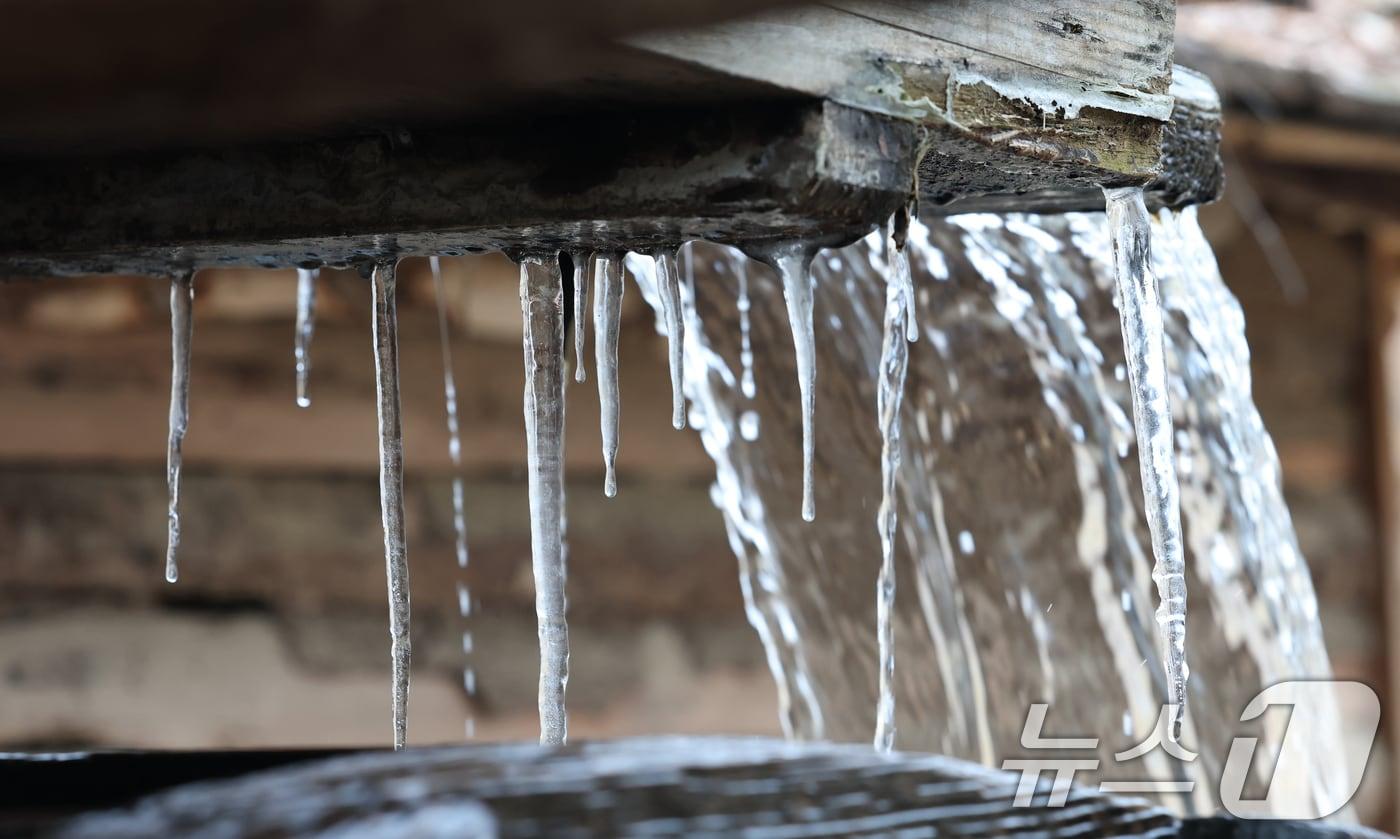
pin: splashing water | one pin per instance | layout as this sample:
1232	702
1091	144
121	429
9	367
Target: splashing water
607	318
669	286
306	324
894	359
580	261
542	309
454	451
386	381
1018	492
794	266
1144	345
181	331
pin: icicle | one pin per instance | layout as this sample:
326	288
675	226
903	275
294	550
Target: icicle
1144	343
607	313
894	360
580	261
454	450
386	369
541	304
793	264
306	324
181	330
746	381
668	284
904	278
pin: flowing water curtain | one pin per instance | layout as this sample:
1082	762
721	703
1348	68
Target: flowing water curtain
1024	560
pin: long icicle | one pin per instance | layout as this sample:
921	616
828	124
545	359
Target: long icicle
894	361
1144	344
542	310
386	369
607	315
899	262
181	332
794	264
459	514
306	324
580	260
668	285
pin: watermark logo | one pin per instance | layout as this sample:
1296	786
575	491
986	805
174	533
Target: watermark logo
1296	706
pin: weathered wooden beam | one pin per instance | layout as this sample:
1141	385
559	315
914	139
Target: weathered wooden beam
808	123
665	786
608	181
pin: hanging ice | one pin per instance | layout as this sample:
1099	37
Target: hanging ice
580	261
793	264
386	369
903	277
607	312
306	324
181	329
1144	343
454	450
668	283
894	361
541	305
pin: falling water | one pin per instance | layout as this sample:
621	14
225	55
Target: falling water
669	285
181	330
580	261
459	514
1021	538
1144	345
306	324
386	370
793	264
894	359
607	316
746	381
542	309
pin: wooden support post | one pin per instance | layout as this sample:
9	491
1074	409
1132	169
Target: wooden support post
1384	241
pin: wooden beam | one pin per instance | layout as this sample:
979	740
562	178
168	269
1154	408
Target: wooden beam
672	786
809	123
1384	244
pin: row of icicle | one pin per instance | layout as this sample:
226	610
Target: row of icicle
542	308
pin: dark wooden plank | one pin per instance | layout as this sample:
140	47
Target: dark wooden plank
660	786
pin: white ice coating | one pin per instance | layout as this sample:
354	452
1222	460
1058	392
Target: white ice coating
1144	345
793	264
607	317
580	261
454	451
669	285
386	381
894	361
181	330
306	324
542	311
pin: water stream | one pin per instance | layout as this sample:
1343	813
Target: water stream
459	512
1021	533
